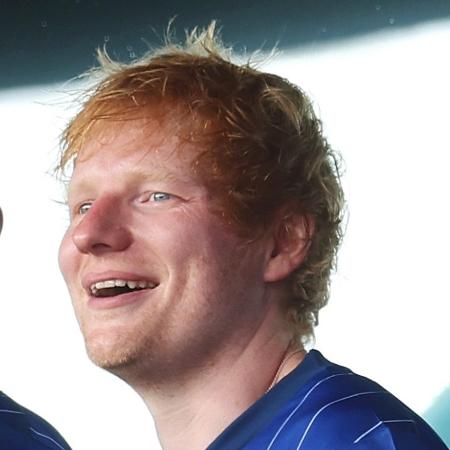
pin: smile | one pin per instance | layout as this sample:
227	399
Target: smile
114	287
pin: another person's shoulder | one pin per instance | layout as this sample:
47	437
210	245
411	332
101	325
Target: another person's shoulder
21	429
334	408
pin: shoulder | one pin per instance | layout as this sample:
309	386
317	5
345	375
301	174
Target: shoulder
21	429
335	408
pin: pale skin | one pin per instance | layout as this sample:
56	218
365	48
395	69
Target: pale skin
204	339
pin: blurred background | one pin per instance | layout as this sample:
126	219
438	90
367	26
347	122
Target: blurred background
378	73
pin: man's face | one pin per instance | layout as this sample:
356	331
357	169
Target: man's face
157	282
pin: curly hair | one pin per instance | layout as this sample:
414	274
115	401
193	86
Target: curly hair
262	146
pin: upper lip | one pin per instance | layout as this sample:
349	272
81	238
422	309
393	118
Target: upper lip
91	278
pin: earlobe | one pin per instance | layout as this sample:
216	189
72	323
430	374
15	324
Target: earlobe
291	241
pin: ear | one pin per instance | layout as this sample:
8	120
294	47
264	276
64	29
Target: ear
290	244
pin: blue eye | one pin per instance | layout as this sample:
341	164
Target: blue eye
160	196
84	208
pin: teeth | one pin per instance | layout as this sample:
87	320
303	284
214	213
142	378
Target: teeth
121	283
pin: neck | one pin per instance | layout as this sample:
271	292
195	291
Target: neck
192	413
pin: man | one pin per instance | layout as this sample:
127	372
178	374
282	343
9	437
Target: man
20	428
205	217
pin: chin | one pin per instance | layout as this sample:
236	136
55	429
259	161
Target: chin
111	354
111	361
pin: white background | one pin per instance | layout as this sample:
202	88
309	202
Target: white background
384	100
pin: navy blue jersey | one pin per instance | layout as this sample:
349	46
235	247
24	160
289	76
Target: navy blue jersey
323	406
21	429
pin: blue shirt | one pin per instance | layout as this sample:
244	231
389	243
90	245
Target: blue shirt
323	406
21	429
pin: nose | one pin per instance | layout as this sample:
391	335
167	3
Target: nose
102	228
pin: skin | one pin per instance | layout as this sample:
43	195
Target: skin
206	342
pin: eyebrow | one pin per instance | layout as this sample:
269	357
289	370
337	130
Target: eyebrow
154	176
138	176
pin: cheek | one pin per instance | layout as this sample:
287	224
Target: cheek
66	256
176	235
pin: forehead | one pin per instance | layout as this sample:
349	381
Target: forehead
138	146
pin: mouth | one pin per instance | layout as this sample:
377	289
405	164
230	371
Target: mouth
116	287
